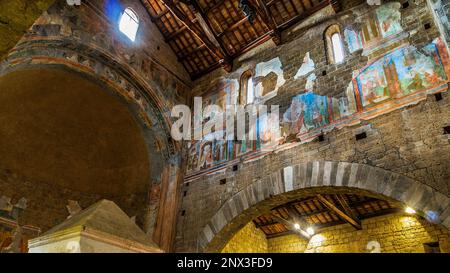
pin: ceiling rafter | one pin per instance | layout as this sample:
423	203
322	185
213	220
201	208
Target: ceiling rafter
267	18
215	6
211	33
182	17
311	212
207	28
348	217
290	226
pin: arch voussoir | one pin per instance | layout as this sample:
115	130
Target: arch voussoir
279	186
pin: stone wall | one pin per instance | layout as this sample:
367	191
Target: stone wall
410	140
393	233
145	74
12	27
46	202
396	233
248	240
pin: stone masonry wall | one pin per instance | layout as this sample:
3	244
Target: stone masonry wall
393	233
248	240
46	203
87	37
390	233
411	141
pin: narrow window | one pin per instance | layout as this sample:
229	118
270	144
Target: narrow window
247	92
338	51
129	24
250	91
334	45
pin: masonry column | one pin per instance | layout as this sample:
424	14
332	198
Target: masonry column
165	229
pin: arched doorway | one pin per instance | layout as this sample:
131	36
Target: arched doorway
320	177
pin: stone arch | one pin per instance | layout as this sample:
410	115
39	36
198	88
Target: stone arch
98	63
284	185
143	100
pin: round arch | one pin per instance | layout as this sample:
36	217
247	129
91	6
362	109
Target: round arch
291	182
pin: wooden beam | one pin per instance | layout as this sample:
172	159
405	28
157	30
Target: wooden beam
183	18
233	26
216	5
207	28
352	221
343	203
187	55
159	15
267	18
178	32
303	15
290	226
336	5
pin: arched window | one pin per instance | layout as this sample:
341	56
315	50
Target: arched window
335	48
247	95
129	24
338	50
250	90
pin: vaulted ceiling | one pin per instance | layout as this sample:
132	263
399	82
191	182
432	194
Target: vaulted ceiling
207	34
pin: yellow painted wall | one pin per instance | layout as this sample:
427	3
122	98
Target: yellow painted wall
392	233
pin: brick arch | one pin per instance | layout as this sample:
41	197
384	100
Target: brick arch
304	179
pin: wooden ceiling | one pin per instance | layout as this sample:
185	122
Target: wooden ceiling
207	34
322	211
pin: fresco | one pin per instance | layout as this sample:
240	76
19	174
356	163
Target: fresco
220	150
442	13
193	152
307	67
268	131
389	18
402	72
310	82
268	78
354	40
307	111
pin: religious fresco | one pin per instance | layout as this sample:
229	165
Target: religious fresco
402	72
220	150
209	151
307	111
442	13
354	40
268	127
389	19
268	78
378	29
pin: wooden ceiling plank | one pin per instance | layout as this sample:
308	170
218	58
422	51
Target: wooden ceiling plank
233	26
207	28
294	7
195	31
352	221
344	204
216	5
189	54
303	234
159	15
303	15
